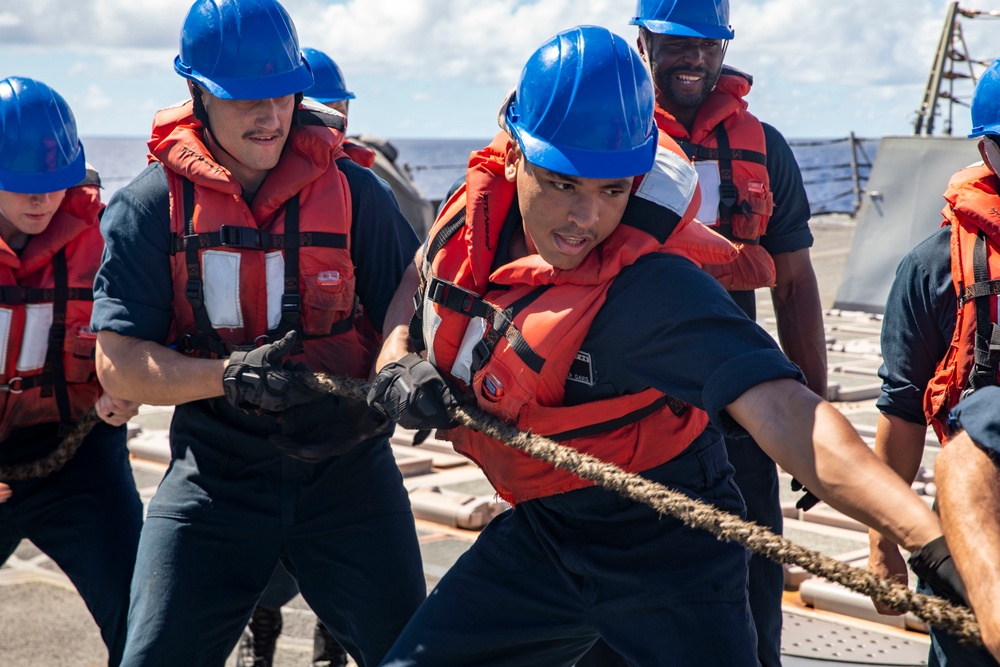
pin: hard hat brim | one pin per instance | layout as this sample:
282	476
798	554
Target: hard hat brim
984	130
48	181
701	30
584	163
326	99
257	88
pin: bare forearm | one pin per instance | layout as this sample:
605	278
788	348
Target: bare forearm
969	502
900	444
146	372
396	342
809	439
799	315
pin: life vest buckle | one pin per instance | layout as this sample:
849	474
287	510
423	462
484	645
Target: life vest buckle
291	307
239	237
480	355
192	291
185	344
13	386
728	194
468	303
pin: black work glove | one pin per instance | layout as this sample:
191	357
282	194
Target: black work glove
264	380
413	393
350	423
933	563
808	500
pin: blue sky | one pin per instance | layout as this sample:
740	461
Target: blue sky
439	68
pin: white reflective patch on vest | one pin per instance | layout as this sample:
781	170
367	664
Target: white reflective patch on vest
35	344
463	362
709	181
431	321
671	182
6	315
221	276
275	267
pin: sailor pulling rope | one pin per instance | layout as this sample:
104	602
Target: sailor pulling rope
958	621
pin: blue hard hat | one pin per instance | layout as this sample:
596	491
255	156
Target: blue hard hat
986	103
584	107
242	50
329	85
39	148
708	19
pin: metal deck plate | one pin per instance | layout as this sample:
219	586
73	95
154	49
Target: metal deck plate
827	543
808	641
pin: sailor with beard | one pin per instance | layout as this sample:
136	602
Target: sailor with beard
751	193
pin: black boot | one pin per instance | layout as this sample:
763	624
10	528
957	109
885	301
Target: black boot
258	641
327	651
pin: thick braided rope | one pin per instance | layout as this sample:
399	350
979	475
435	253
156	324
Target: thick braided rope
57	458
958	621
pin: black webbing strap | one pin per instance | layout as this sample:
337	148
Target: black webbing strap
976	290
986	356
728	194
444	235
699	153
57	340
291	301
16	295
501	322
415	328
431	248
676	406
502	326
250	238
194	291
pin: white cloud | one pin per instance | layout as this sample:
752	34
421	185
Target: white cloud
483	42
96	98
821	68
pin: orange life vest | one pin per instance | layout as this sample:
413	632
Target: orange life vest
246	274
727	134
359	154
973	211
513	333
46	298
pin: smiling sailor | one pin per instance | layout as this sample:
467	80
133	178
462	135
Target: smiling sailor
751	193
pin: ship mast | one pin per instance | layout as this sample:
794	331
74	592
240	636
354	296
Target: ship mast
952	53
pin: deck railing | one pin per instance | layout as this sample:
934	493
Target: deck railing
834	171
835	178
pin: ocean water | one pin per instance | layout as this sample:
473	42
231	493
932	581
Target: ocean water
436	163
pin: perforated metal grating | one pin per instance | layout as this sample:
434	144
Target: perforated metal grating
807	641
